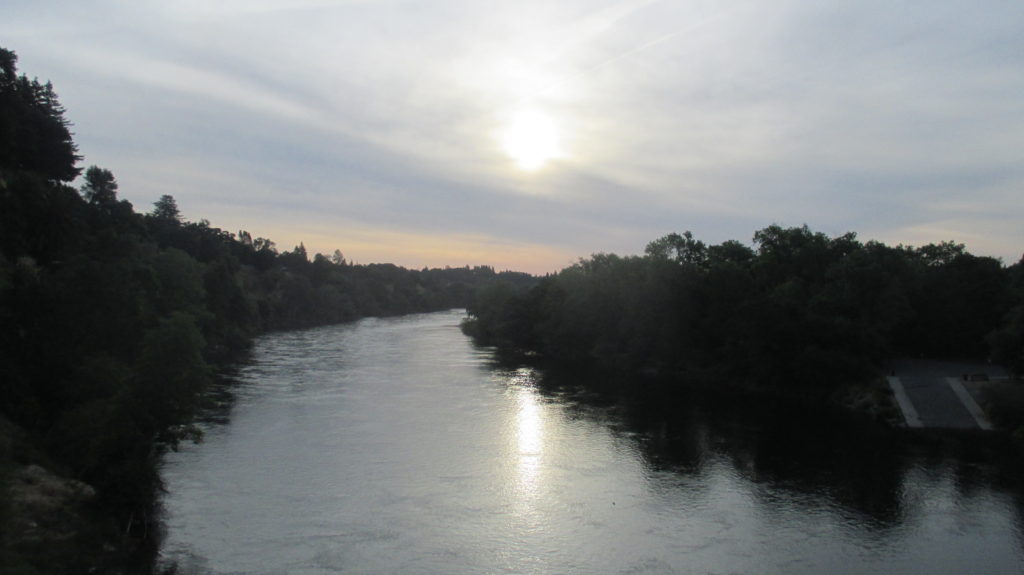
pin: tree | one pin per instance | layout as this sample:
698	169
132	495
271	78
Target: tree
171	372
683	249
943	253
8	67
730	251
296	259
264	245
166	209
34	136
100	187
1007	340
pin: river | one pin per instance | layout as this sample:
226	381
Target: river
397	446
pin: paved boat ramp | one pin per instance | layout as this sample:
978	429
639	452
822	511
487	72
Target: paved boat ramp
932	394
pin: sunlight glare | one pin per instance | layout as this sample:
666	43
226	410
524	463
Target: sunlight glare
529	431
531	139
530	426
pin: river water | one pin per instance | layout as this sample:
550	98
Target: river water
397	446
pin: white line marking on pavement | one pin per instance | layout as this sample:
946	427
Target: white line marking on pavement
909	412
972	406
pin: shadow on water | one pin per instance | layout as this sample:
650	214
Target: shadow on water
840	459
220	397
727	468
217	403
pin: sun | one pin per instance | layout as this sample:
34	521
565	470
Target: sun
531	139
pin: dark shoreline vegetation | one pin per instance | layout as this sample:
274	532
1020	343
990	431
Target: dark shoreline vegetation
800	312
116	322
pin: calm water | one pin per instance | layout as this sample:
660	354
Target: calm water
396	446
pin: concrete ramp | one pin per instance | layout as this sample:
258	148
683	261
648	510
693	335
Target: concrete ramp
937	402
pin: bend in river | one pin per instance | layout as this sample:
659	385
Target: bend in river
397	446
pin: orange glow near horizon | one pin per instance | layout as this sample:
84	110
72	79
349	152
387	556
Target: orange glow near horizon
416	251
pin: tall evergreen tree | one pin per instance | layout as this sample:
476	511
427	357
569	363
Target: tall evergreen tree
166	209
34	135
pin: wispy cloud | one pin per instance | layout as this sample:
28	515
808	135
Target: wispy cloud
903	121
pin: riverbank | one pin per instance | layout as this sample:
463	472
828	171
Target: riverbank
997	398
50	523
398	446
870	399
1003	402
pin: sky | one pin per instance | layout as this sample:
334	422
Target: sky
526	135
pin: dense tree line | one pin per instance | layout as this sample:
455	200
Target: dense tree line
799	309
114	321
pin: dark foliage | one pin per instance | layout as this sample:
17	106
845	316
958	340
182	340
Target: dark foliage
34	136
114	321
802	310
1008	340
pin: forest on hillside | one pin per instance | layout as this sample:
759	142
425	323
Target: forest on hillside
799	311
115	321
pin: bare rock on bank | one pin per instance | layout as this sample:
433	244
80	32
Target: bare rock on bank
44	507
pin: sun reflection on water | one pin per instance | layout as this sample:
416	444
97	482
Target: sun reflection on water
529	433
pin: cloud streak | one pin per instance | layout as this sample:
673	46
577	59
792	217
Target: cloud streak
902	122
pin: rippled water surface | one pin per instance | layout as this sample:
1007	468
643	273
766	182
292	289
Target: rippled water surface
396	446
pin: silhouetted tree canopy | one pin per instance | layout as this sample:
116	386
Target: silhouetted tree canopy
34	136
801	309
100	187
166	209
114	322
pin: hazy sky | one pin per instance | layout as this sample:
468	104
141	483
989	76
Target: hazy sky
399	130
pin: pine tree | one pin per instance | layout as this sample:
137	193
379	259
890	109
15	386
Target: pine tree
166	209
